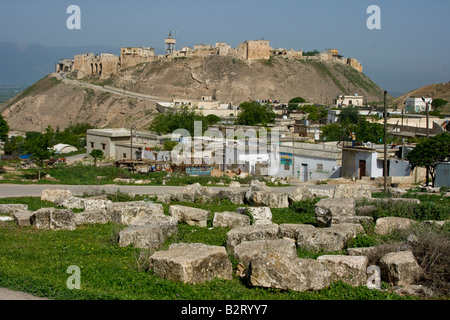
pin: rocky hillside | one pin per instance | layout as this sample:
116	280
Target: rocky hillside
51	101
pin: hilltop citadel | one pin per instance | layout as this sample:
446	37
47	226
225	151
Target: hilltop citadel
105	65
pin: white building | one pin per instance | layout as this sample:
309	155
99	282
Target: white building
416	104
344	101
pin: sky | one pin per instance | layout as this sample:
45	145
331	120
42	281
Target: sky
410	50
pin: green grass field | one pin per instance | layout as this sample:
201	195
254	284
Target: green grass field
36	261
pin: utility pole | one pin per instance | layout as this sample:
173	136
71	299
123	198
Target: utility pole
131	151
385	143
427	132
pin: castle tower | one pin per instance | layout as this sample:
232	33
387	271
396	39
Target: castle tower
170	44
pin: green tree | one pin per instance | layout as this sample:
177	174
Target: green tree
212	119
13	146
297	100
428	153
253	113
366	131
39	149
96	154
333	132
4	129
348	115
438	103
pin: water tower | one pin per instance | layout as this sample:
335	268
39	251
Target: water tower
170	44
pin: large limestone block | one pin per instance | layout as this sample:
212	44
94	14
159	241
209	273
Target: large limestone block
270	199
249	250
192	263
189	215
96	204
329	239
92	217
349	269
127	212
261	215
235	196
251	233
53	219
386	225
359	191
299	194
400	268
276	270
260	195
306	192
333	211
230	220
71	202
290	230
149	232
23	217
12	208
55	195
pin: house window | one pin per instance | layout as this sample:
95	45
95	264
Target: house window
124	155
92	145
103	146
319	166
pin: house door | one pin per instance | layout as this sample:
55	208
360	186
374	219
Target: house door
362	168
304	172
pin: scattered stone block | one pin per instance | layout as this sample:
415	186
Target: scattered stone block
260	215
12	208
290	230
276	270
349	269
383	226
235	196
192	263
23	218
354	191
127	212
400	268
249	250
230	220
255	232
333	211
260	195
55	195
53	219
333	238
189	215
149	232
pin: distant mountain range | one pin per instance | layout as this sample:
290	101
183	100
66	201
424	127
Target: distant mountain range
22	65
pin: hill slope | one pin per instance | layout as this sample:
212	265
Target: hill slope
438	90
56	103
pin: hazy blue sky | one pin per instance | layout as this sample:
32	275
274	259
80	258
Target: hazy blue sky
411	49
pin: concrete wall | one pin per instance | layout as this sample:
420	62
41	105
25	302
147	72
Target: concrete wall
442	175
